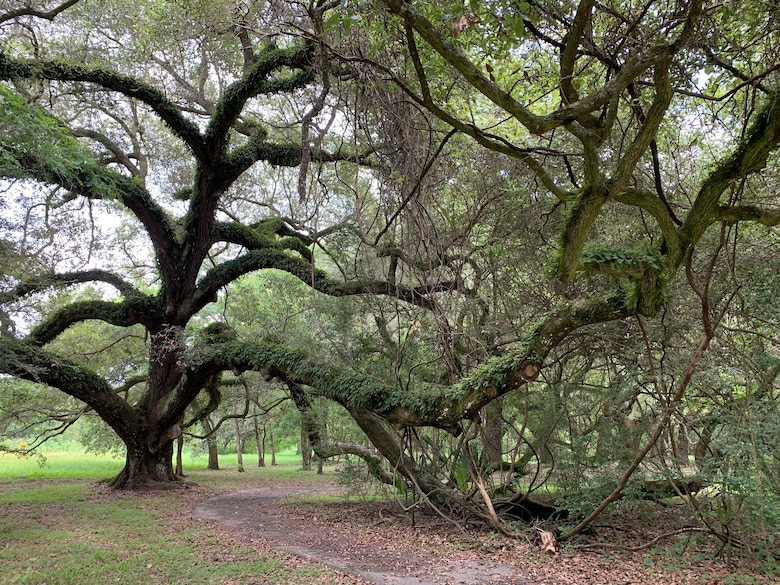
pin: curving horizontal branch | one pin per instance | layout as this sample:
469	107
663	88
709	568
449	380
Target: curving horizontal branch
256	235
424	405
133	310
263	235
731	214
36	13
166	110
33	286
118	155
89	179
278	154
30	363
274	256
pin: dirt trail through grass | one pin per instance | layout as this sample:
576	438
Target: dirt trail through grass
381	555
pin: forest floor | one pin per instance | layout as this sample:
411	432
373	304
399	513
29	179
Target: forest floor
374	543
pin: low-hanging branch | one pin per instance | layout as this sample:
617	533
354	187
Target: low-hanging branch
26	362
426	405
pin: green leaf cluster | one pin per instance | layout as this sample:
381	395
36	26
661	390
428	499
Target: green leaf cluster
36	145
618	259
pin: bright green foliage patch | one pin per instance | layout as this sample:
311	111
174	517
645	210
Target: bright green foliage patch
59	464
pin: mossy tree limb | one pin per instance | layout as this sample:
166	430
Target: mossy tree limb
50	281
133	310
439	406
168	111
24	361
749	157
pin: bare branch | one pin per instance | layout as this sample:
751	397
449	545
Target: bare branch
30	11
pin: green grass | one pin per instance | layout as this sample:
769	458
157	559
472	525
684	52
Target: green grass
57	526
59	465
62	464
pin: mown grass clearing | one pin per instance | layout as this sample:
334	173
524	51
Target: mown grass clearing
57	528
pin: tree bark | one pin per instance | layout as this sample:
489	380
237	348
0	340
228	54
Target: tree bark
179	462
211	443
239	443
147	469
259	440
305	447
273	447
389	445
493	434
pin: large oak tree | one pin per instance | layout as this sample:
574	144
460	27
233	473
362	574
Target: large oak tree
589	97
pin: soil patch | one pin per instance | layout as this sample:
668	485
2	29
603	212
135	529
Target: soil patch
379	546
340	537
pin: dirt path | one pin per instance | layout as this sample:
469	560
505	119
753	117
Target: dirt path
381	555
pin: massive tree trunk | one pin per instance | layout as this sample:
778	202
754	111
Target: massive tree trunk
147	469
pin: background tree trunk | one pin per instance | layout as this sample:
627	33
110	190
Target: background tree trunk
239	443
259	439
273	447
211	443
179	449
305	446
493	434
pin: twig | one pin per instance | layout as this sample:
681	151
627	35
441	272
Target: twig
648	544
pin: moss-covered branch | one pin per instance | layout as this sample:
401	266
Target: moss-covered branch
30	363
133	309
282	154
622	175
263	235
575	233
256	81
36	285
736	213
653	204
522	363
750	157
424	405
168	112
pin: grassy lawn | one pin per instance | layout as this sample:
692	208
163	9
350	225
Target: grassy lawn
59	525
